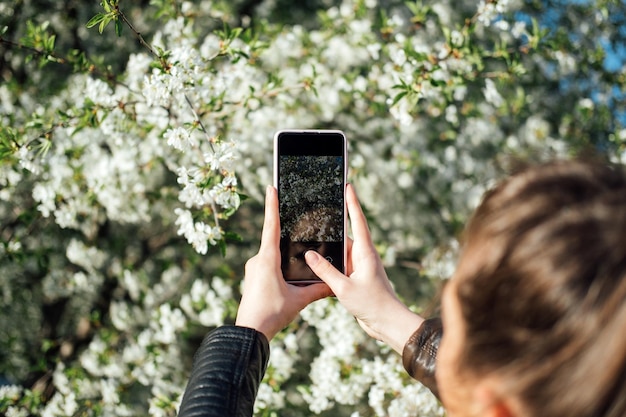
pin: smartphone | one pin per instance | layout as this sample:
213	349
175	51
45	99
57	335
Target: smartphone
310	168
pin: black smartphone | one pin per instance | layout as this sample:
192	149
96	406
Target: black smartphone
310	168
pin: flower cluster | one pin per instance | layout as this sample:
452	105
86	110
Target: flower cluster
117	185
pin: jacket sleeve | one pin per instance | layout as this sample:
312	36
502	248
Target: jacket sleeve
226	373
419	356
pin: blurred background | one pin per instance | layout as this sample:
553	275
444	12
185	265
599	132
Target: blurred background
133	161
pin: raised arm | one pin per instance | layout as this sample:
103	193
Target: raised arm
367	294
230	364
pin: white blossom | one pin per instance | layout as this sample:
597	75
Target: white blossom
205	305
11	392
45	195
169	322
268	397
519	29
109	388
155	90
567	62
491	93
61	405
489	10
99	93
27	160
89	258
179	138
12	411
222	156
130	166
198	234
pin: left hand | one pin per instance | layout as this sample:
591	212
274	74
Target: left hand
269	303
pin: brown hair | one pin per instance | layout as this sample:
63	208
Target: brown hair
544	302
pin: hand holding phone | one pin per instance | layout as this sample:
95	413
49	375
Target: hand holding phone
264	281
367	293
310	175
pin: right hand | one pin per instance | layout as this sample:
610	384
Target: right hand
367	293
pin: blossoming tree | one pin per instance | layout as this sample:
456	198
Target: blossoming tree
132	166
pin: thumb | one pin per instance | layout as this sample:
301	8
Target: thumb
325	271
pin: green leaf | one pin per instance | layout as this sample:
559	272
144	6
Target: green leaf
8	144
232	237
222	247
95	20
437	83
398	97
49	43
103	24
43	147
118	27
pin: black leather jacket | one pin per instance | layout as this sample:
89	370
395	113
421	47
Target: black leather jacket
231	362
226	373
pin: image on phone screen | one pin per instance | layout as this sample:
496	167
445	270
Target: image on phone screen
311	186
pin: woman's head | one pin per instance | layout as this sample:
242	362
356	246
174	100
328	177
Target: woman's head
539	297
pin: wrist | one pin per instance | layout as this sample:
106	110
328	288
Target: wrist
261	327
400	324
264	334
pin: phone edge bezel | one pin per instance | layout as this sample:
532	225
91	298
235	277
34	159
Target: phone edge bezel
345	184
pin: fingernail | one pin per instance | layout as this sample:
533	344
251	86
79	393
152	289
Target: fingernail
311	257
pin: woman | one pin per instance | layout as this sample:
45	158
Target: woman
534	315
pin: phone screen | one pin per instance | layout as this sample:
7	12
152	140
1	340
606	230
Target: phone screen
310	176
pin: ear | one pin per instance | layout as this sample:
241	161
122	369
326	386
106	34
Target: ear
492	404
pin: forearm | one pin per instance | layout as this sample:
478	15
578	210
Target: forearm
226	373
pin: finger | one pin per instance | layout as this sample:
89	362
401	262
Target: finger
349	266
270	237
313	292
326	271
358	222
